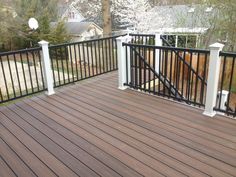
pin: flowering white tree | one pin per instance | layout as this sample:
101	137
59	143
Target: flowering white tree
91	9
129	12
124	12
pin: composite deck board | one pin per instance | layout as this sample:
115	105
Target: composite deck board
146	109
94	129
115	125
190	129
187	110
118	114
69	161
66	145
95	133
133	111
110	80
5	170
207	126
25	154
80	142
14	162
100	128
33	154
147	150
202	130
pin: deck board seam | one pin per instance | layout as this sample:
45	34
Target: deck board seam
199	152
88	132
89	143
130	137
8	164
62	136
11	149
76	134
27	149
201	161
41	146
55	143
200	124
221	118
177	105
129	109
160	112
112	145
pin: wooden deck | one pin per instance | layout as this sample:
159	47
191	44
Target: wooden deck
93	129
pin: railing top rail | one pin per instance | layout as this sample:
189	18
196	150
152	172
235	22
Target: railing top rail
20	51
228	54
86	41
168	48
147	35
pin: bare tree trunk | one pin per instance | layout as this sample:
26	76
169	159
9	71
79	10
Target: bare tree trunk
106	17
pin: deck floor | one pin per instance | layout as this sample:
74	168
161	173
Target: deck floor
93	129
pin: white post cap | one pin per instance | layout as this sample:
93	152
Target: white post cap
43	42
223	92
217	46
124	38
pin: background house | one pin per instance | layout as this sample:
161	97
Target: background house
183	25
80	31
69	13
75	23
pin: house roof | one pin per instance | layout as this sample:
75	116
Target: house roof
63	7
77	28
178	19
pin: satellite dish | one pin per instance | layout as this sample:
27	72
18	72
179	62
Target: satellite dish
33	23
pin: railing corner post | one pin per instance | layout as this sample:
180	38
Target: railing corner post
213	78
121	53
48	77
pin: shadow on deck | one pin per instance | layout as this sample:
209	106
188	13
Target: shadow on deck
94	129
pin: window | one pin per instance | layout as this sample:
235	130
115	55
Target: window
72	15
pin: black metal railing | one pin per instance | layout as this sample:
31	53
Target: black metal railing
159	70
176	73
81	60
145	39
226	98
21	74
168	40
179	57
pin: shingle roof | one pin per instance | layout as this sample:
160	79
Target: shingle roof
76	28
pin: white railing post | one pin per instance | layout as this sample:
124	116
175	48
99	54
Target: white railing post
122	61
213	78
48	77
158	42
176	41
224	98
